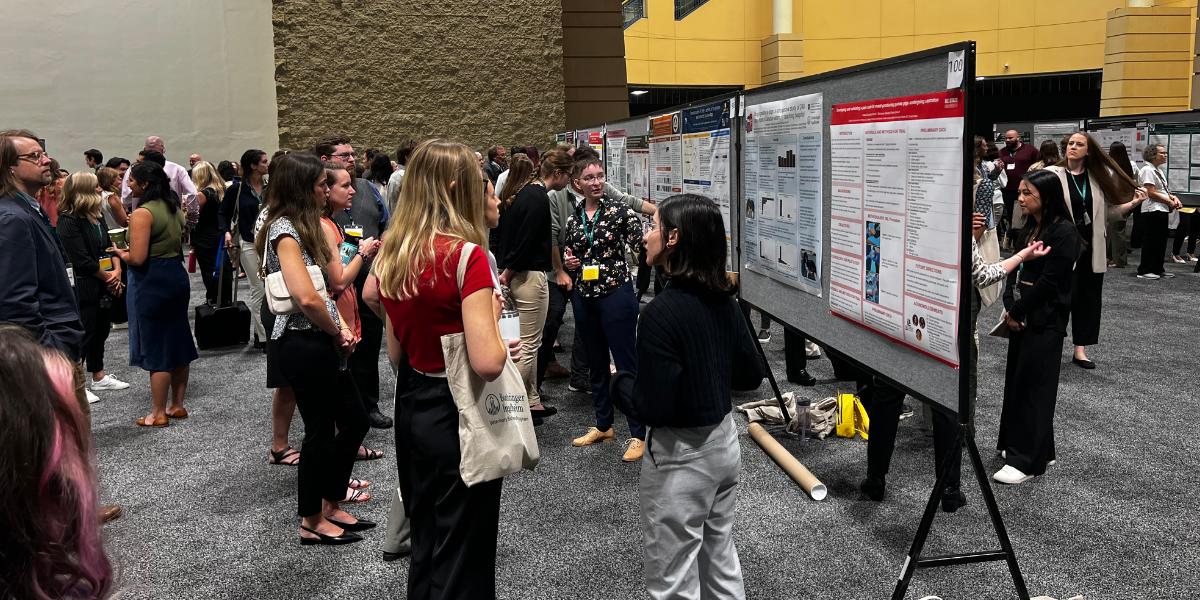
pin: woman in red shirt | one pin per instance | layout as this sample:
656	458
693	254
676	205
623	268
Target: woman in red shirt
442	206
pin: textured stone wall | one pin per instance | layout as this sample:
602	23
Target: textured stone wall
382	71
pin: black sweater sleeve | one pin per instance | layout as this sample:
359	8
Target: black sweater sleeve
71	234
228	205
748	367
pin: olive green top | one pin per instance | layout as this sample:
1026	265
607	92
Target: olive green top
166	239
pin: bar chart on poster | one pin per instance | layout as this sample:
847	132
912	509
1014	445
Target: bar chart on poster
782	226
896	218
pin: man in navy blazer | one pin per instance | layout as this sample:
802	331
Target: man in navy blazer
38	290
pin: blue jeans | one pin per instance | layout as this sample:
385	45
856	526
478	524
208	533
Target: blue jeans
608	324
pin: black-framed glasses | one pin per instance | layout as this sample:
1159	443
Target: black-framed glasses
344	155
34	157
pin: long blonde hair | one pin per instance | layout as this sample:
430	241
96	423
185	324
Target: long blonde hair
205	175
442	195
79	196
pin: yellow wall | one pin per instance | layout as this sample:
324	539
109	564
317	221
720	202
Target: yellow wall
719	44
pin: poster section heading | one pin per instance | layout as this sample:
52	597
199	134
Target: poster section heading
782	224
1182	141
896	218
707	161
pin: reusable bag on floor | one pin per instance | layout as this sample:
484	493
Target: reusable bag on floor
495	429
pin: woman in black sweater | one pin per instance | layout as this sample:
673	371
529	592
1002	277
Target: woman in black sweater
693	348
1037	305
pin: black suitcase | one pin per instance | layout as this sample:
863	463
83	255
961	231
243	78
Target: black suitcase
221	326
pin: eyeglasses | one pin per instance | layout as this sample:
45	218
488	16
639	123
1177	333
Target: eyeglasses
344	155
592	178
34	157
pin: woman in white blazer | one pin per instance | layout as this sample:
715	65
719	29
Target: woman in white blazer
1095	188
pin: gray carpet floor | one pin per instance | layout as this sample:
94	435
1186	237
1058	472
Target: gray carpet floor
207	517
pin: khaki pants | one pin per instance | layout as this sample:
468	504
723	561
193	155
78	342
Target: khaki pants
532	298
251	262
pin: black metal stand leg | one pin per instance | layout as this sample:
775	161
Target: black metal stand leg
989	499
787	417
914	553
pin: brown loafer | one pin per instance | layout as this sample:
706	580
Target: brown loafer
177	413
108	512
146	422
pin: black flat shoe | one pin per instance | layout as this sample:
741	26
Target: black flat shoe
328	540
1084	363
873	488
952	501
546	411
361	525
803	378
391	556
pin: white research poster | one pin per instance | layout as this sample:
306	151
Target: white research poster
706	159
896	218
782	221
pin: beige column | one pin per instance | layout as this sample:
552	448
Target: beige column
1148	61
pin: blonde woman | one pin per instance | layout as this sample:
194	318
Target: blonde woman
110	196
84	236
206	235
442	206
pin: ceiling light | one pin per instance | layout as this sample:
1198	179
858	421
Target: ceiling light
639	92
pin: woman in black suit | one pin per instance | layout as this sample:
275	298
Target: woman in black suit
1037	306
84	235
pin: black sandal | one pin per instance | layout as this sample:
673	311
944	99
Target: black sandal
329	540
365	453
280	458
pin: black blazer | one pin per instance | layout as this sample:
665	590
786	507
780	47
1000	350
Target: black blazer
1045	283
37	294
84	248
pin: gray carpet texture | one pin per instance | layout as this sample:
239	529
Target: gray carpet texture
206	517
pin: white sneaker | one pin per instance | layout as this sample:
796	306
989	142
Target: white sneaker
91	398
1147	276
1167	275
811	349
764	336
109	383
120	326
1011	475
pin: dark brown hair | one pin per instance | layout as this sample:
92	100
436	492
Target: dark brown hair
8	158
698	257
1117	186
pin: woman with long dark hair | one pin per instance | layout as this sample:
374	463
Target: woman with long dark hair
693	349
160	338
312	346
239	212
1118	235
84	235
1094	187
52	547
1037	306
524	259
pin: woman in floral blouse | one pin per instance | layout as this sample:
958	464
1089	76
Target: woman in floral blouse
605	306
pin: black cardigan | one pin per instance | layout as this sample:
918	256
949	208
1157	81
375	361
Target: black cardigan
1045	283
84	248
693	348
525	232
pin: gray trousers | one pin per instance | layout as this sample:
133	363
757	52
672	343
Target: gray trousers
398	539
688	495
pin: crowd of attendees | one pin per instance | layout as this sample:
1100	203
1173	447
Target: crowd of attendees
345	258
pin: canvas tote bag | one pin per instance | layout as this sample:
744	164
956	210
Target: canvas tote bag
989	250
495	429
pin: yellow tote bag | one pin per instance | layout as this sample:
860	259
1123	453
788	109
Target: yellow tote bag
851	416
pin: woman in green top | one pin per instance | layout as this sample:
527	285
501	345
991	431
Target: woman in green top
160	340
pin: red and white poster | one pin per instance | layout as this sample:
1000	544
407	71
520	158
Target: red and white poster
896	218
666	156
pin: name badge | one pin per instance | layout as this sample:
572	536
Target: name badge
106	263
71	275
1012	166
591	272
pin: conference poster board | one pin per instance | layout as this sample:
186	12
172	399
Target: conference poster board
1182	140
901	123
896	222
707	167
627	157
666	156
782	184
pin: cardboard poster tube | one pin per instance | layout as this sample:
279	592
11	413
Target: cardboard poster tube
798	472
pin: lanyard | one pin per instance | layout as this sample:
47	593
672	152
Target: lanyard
1083	192
589	229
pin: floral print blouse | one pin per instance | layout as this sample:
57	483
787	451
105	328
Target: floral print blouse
600	241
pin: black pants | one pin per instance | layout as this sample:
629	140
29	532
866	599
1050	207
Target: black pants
97	322
1010	200
556	311
1154	242
1086	291
794	358
334	421
1189	226
364	363
1030	393
454	527
884	403
206	261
